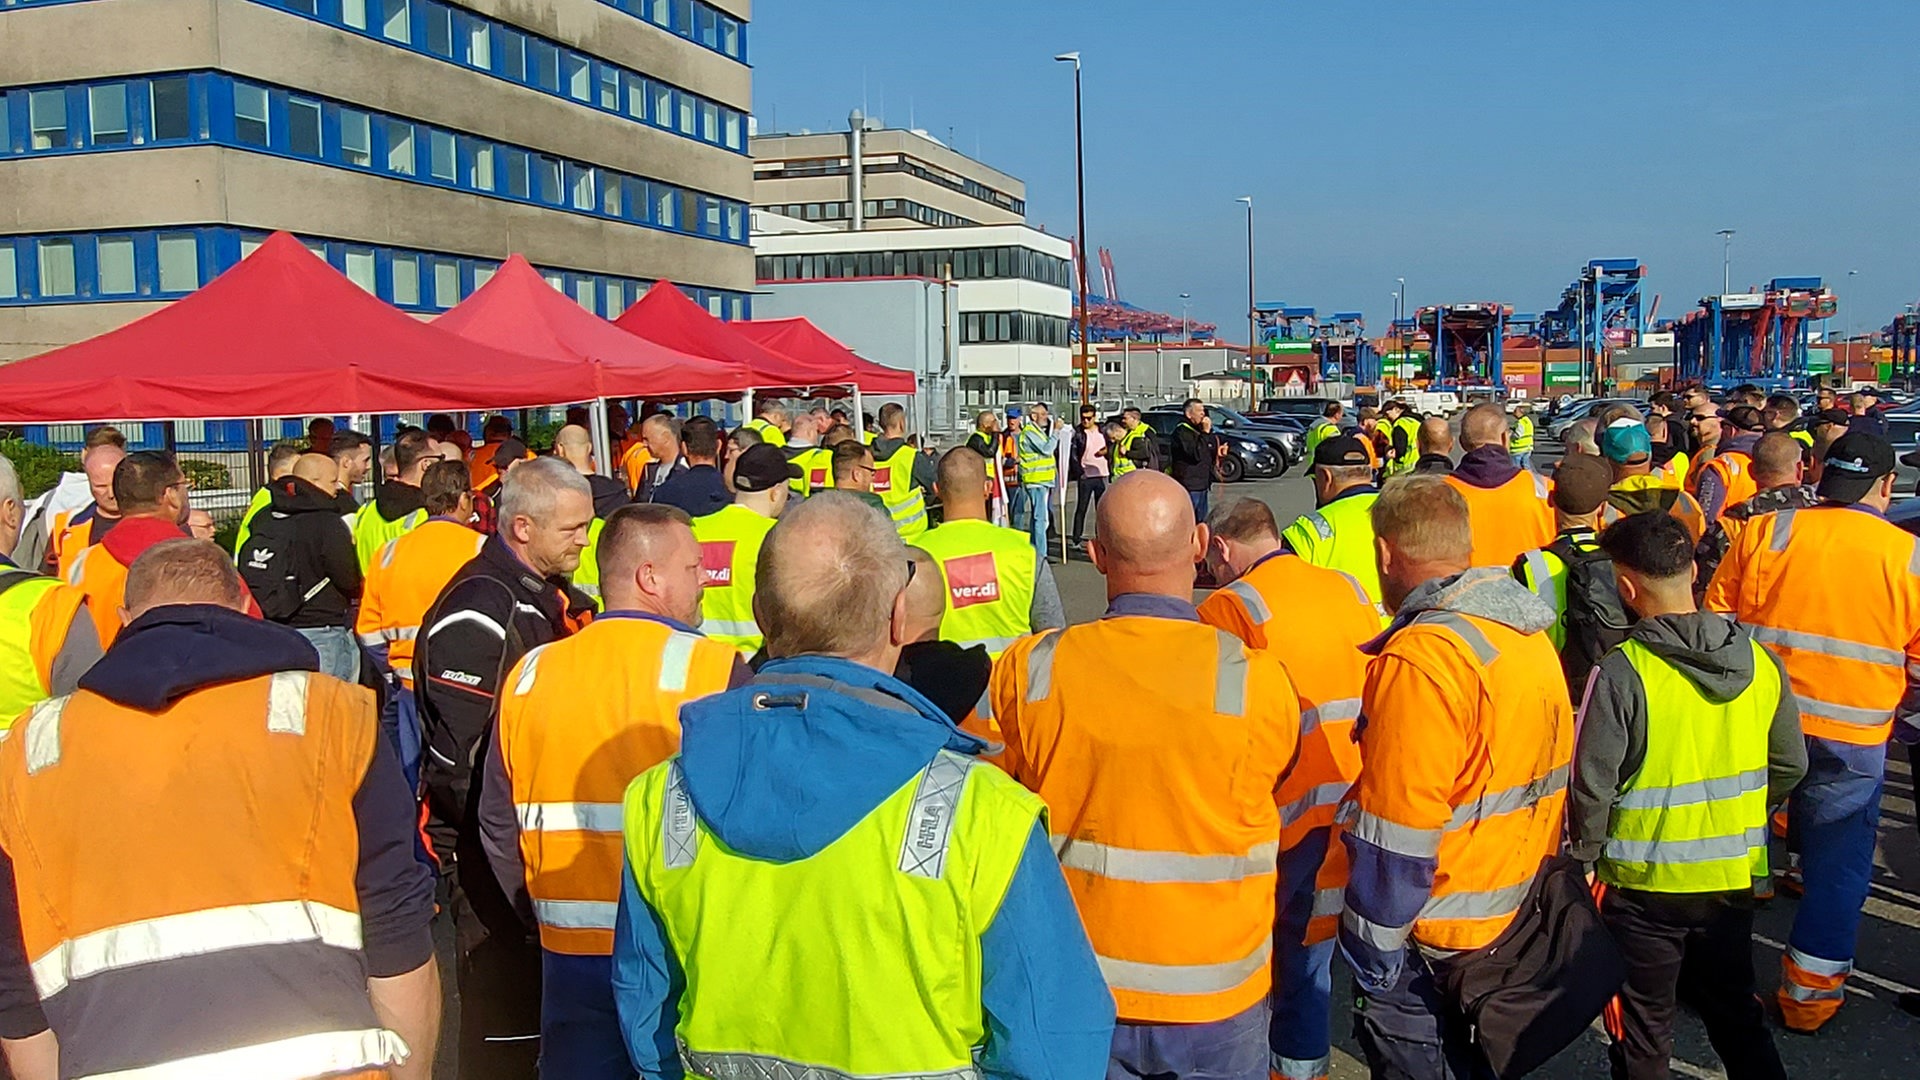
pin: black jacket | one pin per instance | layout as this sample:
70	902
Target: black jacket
952	676
1193	457
492	613
318	551
700	491
608	494
655	475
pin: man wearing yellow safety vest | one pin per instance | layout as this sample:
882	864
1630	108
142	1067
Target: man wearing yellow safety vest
1690	733
46	639
1037	442
397	505
1326	427
280	462
1136	448
730	540
770	422
828	838
1571	574
1403	438
550	804
903	476
998	586
1339	535
1520	443
807	448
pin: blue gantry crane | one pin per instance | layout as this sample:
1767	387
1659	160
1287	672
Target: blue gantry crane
1466	342
1903	336
1758	337
1345	352
1600	311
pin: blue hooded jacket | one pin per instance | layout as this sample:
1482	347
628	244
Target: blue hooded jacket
784	789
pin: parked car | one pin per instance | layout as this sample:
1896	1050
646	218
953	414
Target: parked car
1556	428
1287	434
1301	408
1249	456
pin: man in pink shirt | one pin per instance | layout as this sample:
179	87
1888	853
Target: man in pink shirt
1087	466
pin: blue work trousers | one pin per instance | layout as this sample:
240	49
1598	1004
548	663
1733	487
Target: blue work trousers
1301	1032
1524	460
579	1025
1230	1049
339	651
1410	1032
1039	503
1834	815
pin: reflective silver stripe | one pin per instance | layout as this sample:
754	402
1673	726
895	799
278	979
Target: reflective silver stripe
994	645
1316	798
386	553
287	703
764	1067
1230	678
679	831
1477	905
733	628
1399	839
404	671
1539	485
1493	804
1802	641
1287	1068
576	914
923	851
529	670
1913	561
1807	993
1320	525
1477	641
194	933
676	661
1328	712
1383	938
79	570
1669	852
1542	576
1782	530
377	637
1328	902
43	733
1040	667
1359	590
590	589
1814	965
322	1053
1842	714
984	707
570	817
1257	609
1185	978
1696	791
1161	867
402	633
481	618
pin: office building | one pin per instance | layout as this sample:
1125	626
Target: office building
904	180
414	144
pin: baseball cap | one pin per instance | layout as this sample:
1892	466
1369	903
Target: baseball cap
1833	416
508	452
1854	464
762	467
1341	450
1626	441
1581	483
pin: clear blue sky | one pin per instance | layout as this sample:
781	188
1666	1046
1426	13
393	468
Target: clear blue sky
1482	150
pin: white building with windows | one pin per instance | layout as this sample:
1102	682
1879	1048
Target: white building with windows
990	329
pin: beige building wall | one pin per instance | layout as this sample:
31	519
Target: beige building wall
878	149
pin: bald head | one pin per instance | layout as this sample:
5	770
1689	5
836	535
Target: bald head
573	445
182	572
1484	425
831	581
320	470
926	597
1436	436
1776	460
806	429
650	562
1148	541
99	464
962	484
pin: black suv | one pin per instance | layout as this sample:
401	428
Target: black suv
1251	454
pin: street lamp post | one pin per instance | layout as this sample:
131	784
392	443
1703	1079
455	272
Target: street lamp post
1399	329
1186	327
1726	261
1253	314
1080	199
1851	274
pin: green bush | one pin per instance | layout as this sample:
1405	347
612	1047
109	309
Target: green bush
206	475
39	466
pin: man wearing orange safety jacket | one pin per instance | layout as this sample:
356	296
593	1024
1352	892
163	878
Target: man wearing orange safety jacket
1465	743
403	580
1507	504
1162	812
550	806
1852	656
1322	657
1726	479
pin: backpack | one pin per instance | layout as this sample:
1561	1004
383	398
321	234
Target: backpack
267	566
1595	620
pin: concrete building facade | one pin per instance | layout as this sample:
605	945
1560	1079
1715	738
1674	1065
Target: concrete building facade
906	180
414	144
1145	373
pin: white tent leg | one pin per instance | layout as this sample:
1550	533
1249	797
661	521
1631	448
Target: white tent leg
601	431
746	406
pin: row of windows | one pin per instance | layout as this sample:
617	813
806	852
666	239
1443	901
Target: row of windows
474	41
897	163
217	108
959	264
166	264
698	22
876	208
1022	327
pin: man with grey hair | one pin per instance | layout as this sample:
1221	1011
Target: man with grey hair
34	609
805	780
1583	437
511	598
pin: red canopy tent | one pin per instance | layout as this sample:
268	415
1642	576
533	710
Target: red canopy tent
520	310
280	334
667	316
802	340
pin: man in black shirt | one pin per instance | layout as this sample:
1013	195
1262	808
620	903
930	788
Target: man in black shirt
1196	454
574	445
699	488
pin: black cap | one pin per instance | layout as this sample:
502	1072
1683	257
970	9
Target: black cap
1833	416
509	451
762	467
1854	464
1342	450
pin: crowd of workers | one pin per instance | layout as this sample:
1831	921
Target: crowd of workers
774	756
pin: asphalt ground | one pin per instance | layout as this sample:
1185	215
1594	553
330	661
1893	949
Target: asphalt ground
1870	1039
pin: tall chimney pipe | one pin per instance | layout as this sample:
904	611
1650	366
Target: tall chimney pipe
857	124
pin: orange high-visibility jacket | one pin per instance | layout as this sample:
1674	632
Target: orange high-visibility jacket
1465	759
1735	471
404	580
1324	616
104	579
218	840
1158	744
1508	521
66	539
1847	642
569	756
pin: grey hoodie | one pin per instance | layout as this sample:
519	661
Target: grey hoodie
1711	650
